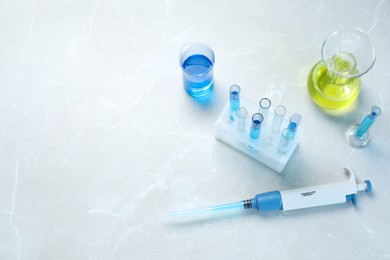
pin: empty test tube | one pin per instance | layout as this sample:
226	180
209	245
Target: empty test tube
279	113
285	139
257	119
264	105
295	119
241	116
368	121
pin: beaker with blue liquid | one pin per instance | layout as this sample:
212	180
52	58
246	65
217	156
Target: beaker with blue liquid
197	61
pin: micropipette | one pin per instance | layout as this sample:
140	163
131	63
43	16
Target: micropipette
320	195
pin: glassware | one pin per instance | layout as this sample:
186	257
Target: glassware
234	91
234	97
295	120
241	116
264	105
334	82
277	121
257	119
358	135
279	113
197	61
287	136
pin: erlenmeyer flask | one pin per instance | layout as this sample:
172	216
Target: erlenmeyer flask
334	82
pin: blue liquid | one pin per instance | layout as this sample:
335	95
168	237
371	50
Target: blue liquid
198	76
234	100
255	129
364	126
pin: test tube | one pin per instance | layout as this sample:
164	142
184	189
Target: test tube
287	136
295	119
241	116
264	105
235	97
234	100
257	119
359	135
279	113
368	121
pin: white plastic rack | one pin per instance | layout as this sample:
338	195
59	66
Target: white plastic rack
264	149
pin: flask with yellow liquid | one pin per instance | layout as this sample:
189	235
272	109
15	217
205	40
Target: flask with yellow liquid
334	82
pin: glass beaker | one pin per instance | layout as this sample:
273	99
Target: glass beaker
334	82
197	61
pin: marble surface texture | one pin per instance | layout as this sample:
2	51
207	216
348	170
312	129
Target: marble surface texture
98	137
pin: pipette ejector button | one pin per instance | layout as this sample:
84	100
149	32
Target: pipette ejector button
368	184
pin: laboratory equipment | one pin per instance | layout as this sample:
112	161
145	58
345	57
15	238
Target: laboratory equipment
257	119
234	97
238	135
295	120
234	100
277	120
359	135
285	139
241	119
279	113
334	82
320	195
197	61
264	105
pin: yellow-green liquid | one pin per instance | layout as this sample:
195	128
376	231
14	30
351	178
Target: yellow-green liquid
331	91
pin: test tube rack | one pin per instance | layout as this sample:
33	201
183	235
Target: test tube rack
261	149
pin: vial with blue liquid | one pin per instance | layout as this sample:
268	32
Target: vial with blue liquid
197	61
254	132
234	100
359	135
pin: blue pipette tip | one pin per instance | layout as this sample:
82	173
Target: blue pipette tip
230	206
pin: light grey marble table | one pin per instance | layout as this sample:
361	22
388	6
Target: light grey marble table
98	137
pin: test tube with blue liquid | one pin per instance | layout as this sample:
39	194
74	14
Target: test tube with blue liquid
197	61
234	100
295	120
359	135
254	132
